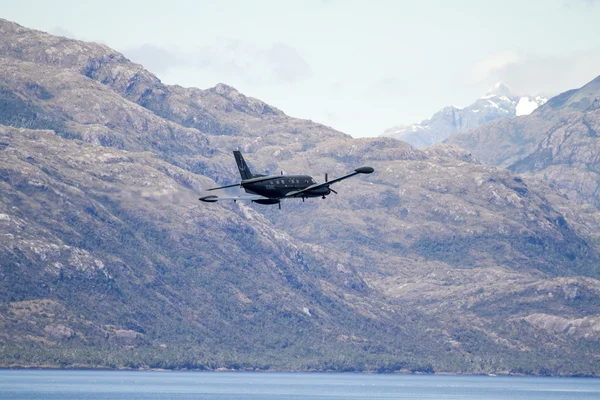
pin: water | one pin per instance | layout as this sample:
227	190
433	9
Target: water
129	385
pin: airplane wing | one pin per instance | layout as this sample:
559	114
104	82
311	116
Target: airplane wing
361	170
250	197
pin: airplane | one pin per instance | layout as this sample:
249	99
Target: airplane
271	189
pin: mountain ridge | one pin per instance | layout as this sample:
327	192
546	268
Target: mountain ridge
498	103
556	143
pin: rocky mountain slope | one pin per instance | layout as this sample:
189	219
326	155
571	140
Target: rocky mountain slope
557	143
498	103
434	263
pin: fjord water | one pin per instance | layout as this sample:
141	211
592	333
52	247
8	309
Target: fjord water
147	385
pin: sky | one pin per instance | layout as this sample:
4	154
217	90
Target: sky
358	66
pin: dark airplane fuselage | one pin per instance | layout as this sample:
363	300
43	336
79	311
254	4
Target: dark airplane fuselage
278	186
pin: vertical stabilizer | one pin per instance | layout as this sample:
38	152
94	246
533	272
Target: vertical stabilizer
242	166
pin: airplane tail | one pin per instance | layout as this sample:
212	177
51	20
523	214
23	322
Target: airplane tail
242	166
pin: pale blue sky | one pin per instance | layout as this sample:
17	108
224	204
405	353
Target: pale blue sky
358	66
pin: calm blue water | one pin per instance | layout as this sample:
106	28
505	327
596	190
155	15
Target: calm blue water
96	385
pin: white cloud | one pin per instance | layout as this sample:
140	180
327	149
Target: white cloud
286	63
482	70
60	31
543	74
581	2
388	86
232	59
153	58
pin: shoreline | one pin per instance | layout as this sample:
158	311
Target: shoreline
272	371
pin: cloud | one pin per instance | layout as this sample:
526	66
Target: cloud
337	87
278	63
388	86
153	58
540	74
569	3
488	66
60	31
231	59
286	63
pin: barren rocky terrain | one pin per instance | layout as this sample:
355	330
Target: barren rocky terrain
434	263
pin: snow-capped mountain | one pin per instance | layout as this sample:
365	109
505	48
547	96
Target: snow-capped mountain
499	102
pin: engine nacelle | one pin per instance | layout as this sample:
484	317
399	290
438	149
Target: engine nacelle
209	199
267	201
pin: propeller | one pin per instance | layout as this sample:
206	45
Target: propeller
326	180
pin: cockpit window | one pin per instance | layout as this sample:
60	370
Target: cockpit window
312	181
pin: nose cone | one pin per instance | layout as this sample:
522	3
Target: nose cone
364	170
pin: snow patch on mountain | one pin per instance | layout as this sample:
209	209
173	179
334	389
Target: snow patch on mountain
527	105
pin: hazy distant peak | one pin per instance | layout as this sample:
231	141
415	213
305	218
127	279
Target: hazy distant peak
500	89
499	102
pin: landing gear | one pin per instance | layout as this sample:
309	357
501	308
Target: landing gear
323	197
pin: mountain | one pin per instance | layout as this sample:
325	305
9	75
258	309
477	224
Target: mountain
557	143
498	103
434	263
